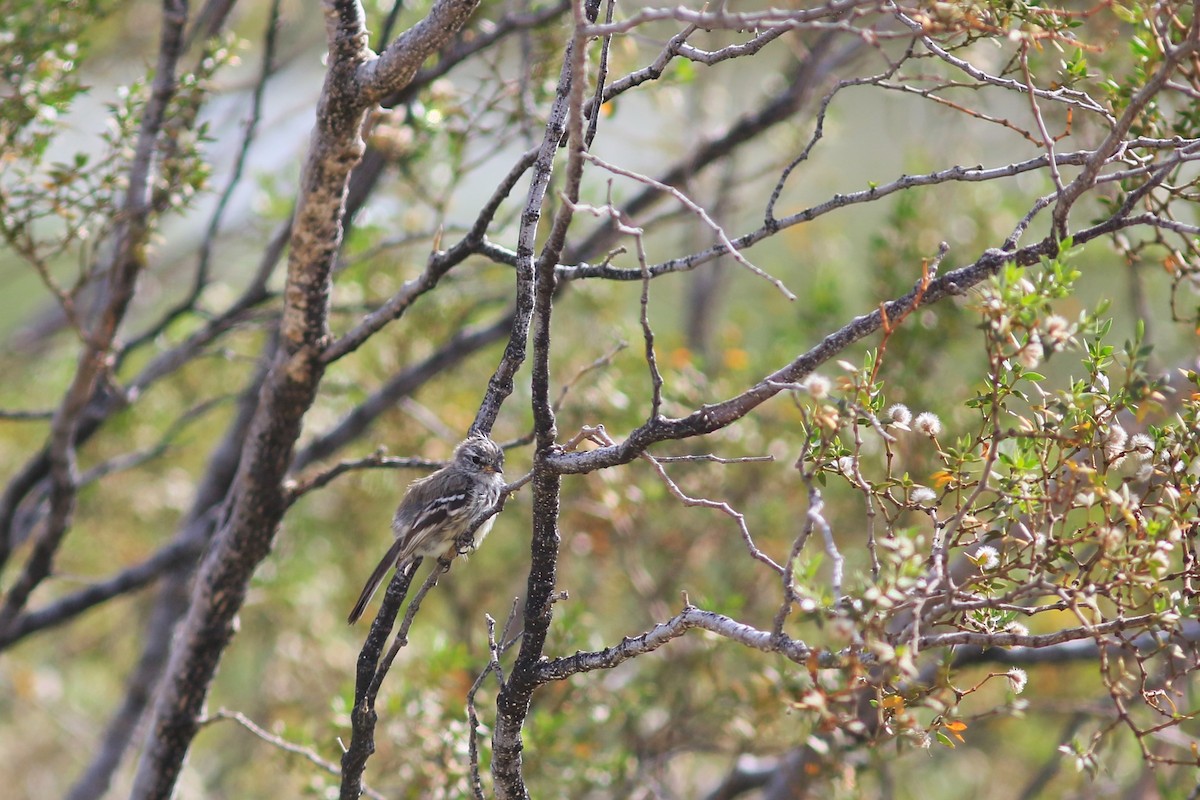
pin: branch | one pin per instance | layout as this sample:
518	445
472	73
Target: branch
126	461
1114	142
438	265
717	505
719	415
1069	96
398	63
1039	640
374	665
695	208
245	537
486	36
801	82
1073	649
403	384
401	640
23	416
200	279
363	716
393	309
302	486
713	20
307	753
557	669
513	701
501	384
838	201
177	553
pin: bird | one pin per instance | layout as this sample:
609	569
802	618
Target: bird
436	510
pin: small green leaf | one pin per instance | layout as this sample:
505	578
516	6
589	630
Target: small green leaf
685	70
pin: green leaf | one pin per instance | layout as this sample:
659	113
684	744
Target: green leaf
685	70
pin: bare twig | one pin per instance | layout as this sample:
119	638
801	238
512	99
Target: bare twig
493	665
691	617
722	239
8	414
278	742
714	459
401	638
305	484
717	505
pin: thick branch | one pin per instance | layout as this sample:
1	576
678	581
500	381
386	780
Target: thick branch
259	500
260	497
398	63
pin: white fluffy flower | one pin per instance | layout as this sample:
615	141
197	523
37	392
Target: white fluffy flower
1016	629
1142	446
922	494
817	385
928	423
987	557
899	415
1110	538
1113	442
1032	353
1057	331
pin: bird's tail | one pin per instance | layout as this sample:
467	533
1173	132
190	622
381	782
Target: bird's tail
376	578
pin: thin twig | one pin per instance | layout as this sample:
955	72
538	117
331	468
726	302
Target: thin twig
493	665
722	239
714	459
16	415
401	638
280	743
378	460
600	437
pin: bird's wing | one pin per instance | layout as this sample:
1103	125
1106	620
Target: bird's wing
423	510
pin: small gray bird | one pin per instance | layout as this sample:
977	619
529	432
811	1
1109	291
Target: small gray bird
436	510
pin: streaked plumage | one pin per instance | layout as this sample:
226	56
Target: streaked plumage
439	508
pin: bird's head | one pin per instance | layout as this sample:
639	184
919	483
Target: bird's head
480	454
